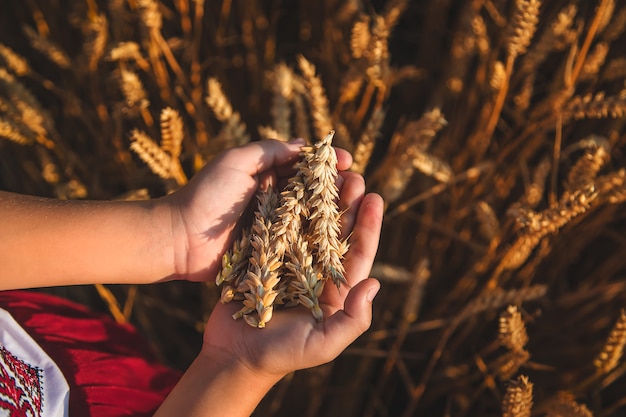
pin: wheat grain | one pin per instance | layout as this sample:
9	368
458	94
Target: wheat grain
518	399
613	348
49	49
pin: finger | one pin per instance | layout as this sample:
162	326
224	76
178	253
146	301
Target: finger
364	239
343	327
350	197
344	159
260	156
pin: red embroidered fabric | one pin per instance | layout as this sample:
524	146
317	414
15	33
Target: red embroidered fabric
108	366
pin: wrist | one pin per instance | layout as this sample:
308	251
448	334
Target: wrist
229	362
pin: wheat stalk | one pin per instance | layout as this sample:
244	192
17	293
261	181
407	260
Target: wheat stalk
48	48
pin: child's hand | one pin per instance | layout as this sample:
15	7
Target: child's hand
293	339
205	211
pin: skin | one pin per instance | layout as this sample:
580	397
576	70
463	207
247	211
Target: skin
183	236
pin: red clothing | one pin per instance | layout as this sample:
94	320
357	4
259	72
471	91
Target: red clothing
108	366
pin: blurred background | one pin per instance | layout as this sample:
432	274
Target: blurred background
494	129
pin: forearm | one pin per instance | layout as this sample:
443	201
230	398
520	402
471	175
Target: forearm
45	242
217	385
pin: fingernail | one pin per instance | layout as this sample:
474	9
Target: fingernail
297	141
371	294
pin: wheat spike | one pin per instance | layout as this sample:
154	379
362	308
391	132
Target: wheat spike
596	106
14	61
365	146
360	36
321	164
555	37
316	96
489	223
263	273
430	165
50	50
497	76
594	61
124	51
498	297
95	45
282	87
564	405
613	349
524	25
615	27
150	14
587	167
234	129
171	132
151	153
534	191
132	88
306	284
518	399
512	330
9	130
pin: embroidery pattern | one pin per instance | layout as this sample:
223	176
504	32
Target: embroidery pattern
21	389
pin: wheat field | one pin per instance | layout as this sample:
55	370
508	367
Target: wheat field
494	130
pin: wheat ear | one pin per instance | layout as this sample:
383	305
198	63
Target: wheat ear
14	61
316	96
324	216
518	399
263	272
613	349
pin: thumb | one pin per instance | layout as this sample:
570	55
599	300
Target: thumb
343	327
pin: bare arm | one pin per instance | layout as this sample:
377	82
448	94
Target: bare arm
46	242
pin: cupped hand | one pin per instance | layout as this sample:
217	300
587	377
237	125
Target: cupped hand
205	212
293	339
